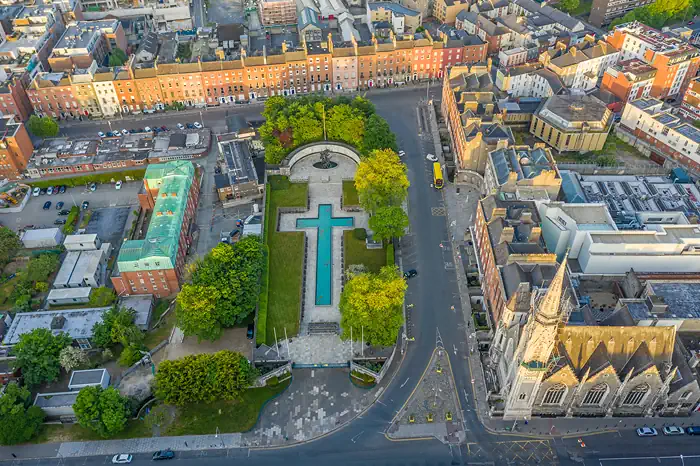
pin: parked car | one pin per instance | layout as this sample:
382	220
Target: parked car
692	430
250	331
124	458
110	134
62	189
59	205
134	131
85	205
147	129
198	125
190	126
647	432
402	153
432	157
163	455
47	205
93	187
180	126
164	128
101	134
49	191
64	212
673	430
56	189
59	221
43	191
35	192
118	185
410	273
125	132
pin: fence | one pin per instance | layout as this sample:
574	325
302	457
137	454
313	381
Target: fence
262	380
378	376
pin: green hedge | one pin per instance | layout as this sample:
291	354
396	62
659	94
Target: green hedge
359	234
390	254
71	220
136	174
262	299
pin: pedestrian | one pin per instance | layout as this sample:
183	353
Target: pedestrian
14	456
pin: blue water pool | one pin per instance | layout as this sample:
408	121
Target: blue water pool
324	249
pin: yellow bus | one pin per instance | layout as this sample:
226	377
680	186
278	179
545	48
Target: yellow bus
437	176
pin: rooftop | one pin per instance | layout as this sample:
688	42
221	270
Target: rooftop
87	377
77	323
571	112
525	162
56	400
395	7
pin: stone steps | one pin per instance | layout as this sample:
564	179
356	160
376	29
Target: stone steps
323	328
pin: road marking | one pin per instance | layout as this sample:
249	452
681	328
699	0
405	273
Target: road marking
354	439
404	384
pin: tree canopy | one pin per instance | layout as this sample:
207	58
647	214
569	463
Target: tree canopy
104	411
381	180
117	57
37	355
9	245
568	5
388	222
72	358
371	304
40	267
290	123
204	378
117	326
102	296
43	127
19	420
224	289
658	14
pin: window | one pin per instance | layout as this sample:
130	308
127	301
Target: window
595	395
555	395
637	395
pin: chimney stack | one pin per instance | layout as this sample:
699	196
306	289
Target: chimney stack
507	235
535	235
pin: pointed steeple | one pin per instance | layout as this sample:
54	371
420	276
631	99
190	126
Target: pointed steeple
550	305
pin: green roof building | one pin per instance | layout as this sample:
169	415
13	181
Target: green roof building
168	185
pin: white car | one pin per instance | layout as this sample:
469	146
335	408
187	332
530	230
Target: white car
180	126
124	458
49	191
125	132
432	157
673	430
647	432
118	185
147	129
36	192
101	134
402	153
198	125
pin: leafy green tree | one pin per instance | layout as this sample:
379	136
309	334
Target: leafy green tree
41	287
381	180
117	57
72	358
364	105
378	135
104	411
204	378
388	222
41	267
224	289
117	326
102	296
37	355
371	303
43	127
9	245
19	420
345	124
568	5
130	355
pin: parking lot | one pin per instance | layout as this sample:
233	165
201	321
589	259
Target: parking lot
105	196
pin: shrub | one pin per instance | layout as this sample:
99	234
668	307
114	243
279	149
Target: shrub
130	356
359	234
390	259
262	299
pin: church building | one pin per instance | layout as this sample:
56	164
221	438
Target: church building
546	366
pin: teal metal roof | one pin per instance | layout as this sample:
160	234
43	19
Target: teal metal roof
159	250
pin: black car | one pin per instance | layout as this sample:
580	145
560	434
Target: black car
59	205
410	273
692	430
64	212
47	205
59	221
62	189
42	191
163	455
86	204
190	126
249	333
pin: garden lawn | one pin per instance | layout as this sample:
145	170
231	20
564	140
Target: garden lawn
355	252
286	259
134	175
228	416
53	433
350	197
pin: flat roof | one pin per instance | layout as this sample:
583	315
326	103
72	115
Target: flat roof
79	239
67	267
56	400
87	377
239	162
70	293
142	304
77	323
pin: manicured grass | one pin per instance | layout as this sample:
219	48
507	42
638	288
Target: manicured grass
51	433
357	253
286	259
135	175
228	416
350	197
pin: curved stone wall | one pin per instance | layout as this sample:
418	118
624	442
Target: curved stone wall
317	147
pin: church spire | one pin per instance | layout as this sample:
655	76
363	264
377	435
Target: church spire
549	307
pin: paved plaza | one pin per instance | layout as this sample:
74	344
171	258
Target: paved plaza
325	189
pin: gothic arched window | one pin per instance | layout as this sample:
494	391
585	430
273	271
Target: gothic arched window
554	395
595	395
637	395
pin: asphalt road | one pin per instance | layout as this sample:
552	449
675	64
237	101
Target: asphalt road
432	292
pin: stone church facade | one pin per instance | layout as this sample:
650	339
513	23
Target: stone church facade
546	367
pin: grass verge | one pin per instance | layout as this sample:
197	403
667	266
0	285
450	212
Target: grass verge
286	259
94	178
350	197
357	253
51	433
228	416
